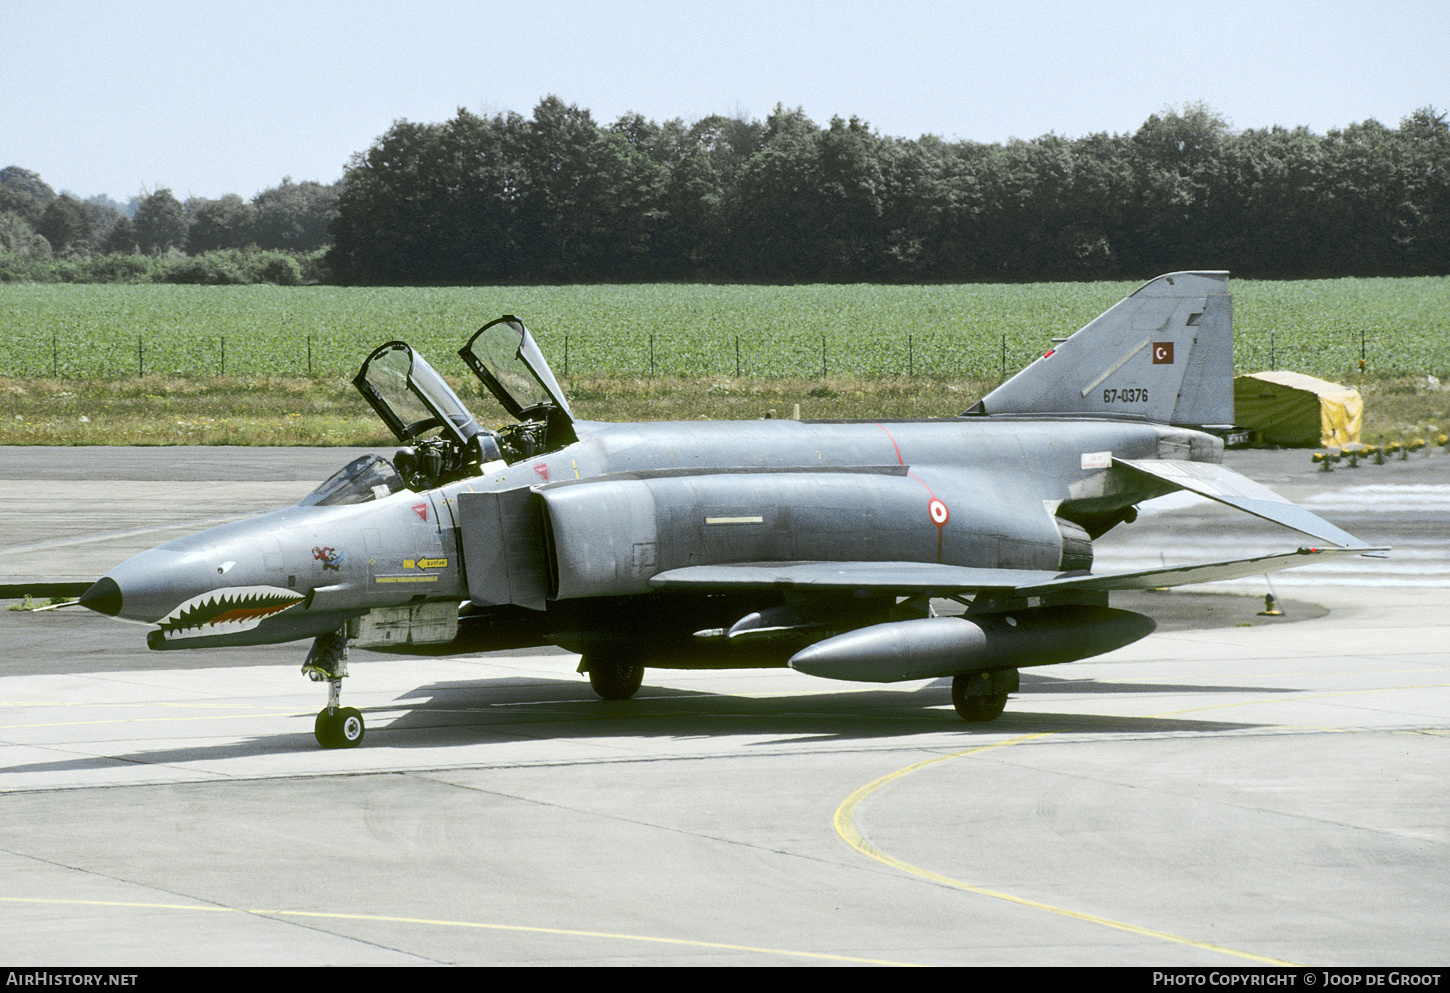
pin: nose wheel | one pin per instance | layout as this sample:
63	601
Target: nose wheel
341	728
336	726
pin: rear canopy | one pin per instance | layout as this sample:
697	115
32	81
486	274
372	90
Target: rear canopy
1290	408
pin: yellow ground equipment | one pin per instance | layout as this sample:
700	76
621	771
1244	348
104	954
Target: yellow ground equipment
1290	408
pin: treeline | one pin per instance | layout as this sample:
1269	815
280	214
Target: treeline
559	197
277	236
223	267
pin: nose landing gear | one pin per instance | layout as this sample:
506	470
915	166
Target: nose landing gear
336	726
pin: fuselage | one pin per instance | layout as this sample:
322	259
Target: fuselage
966	491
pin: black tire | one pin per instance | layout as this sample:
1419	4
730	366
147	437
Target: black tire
614	678
343	729
976	709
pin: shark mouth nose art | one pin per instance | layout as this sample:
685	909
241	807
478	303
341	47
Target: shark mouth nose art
239	608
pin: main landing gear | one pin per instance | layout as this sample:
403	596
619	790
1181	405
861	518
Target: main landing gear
336	726
981	696
612	677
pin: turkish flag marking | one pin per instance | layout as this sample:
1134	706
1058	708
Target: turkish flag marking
1162	353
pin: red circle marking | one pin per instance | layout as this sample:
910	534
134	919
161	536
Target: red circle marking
938	512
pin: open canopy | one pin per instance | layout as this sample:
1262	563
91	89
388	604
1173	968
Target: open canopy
504	356
410	397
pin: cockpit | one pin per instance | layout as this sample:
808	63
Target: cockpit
442	441
369	477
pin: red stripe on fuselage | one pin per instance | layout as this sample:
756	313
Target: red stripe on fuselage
893	443
929	493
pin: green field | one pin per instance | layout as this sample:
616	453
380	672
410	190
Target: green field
942	332
269	365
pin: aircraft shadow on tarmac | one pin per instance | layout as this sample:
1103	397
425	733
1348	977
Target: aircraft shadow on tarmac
1069	684
508	709
515	708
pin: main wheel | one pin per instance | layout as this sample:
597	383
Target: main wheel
614	678
343	729
976	709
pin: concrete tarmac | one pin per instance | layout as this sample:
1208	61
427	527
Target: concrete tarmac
1231	791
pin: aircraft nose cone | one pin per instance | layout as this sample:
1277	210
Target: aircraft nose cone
104	597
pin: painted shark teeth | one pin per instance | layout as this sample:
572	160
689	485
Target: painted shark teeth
239	608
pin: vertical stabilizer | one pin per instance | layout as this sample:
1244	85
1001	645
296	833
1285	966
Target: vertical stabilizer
1165	353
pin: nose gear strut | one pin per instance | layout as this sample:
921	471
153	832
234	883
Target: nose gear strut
336	726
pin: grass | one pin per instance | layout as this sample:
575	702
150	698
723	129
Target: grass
269	365
161	410
29	602
157	410
690	331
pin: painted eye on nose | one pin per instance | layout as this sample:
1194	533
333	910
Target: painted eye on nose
224	567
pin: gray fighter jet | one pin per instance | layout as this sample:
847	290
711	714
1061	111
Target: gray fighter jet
700	545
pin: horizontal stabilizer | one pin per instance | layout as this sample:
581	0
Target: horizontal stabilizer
1228	487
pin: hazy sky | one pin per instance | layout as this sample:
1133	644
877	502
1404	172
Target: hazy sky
208	98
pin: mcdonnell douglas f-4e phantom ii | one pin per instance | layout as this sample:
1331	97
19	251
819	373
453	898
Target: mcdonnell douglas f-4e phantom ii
702	545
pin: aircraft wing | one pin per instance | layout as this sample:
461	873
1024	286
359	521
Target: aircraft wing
1206	572
1228	487
929	579
900	578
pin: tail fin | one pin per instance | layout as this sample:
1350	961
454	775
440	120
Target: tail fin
1164	353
